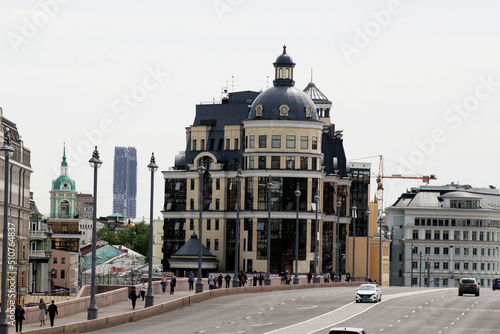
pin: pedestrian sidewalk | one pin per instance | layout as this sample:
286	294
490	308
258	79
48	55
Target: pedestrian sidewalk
106	311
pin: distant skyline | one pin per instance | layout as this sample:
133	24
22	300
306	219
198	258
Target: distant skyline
418	82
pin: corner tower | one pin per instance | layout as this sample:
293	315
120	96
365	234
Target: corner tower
63	193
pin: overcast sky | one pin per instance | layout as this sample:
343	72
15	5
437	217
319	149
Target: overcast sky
415	81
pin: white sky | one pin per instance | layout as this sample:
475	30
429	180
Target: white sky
65	66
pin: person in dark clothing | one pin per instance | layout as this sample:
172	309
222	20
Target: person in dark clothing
260	278
228	280
52	310
173	280
340	276
309	277
254	278
191	281
219	281
348	277
133	297
19	316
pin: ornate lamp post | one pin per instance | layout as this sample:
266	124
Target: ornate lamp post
367	242
153	167
199	283
316	241
7	151
420	270
92	311
267	281
296	277
236	281
411	265
354	208
337	263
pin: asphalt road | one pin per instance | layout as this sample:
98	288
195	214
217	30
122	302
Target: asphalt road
402	310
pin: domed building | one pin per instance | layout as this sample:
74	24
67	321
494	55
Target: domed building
63	193
285	146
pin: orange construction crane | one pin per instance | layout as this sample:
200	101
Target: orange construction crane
380	183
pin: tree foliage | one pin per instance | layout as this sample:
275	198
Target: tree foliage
135	237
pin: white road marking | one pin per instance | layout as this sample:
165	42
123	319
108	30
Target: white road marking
307	307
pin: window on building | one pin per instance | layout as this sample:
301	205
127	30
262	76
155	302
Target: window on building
414	264
54	260
466	265
415	234
202	144
63	260
314	163
262	141
262	162
466	251
217	184
474	251
63	273
456	235
251	141
427	250
481	236
192	184
55	273
445	265
437	235
216	244
427	234
436	250
191	203
208	244
466	235
445	250
457	265
228	144
217	204
276	141
193	147
436	265
290	162
446	235
290	141
191	224
275	162
474	236
474	266
314	143
209	224
251	162
304	142
217	224
236	144
303	162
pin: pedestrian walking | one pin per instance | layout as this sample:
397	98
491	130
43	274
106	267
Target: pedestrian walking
347	277
326	277
143	288
164	283
19	316
254	278
219	281
43	312
309	277
211	282
133	297
241	279
340	276
173	281
260	278
228	280
52	310
191	281
245	278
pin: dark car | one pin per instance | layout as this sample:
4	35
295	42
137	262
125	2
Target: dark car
495	284
468	285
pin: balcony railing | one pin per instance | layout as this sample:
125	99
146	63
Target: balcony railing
39	253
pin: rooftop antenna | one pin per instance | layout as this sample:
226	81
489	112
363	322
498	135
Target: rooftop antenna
232	83
267	82
311	74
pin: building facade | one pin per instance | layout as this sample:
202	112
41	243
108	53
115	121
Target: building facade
19	201
84	206
278	138
125	181
443	233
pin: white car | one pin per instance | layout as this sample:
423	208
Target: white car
368	292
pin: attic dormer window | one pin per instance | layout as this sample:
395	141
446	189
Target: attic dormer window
258	110
284	110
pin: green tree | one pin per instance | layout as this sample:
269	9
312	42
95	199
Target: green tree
135	237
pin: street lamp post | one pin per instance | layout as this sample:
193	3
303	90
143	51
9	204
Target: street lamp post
428	265
380	251
316	241
337	263
236	281
267	281
411	265
92	310
8	151
367	242
296	277
153	167
354	208
199	283
420	270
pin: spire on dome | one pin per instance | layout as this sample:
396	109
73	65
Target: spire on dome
64	163
284	49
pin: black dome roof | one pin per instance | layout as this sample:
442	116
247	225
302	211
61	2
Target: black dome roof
271	99
284	59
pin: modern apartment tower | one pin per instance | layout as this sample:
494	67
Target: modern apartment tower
125	181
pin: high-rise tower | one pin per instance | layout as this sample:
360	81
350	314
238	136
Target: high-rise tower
125	181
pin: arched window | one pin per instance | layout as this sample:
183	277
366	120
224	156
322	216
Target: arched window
281	74
64	209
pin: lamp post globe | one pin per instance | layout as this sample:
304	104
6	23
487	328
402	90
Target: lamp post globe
92	311
153	167
199	282
296	277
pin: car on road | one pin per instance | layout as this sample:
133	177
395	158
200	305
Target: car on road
468	285
495	284
368	292
346	330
